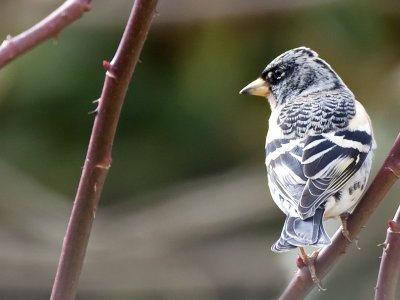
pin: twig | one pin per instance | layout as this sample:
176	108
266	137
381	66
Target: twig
302	284
98	158
49	27
390	264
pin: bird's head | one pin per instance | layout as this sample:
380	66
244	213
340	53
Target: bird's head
295	73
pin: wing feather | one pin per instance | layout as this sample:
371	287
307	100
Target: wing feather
337	158
306	172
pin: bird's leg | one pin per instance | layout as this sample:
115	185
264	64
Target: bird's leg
343	217
309	262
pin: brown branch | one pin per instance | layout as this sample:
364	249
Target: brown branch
390	264
49	27
98	158
302	284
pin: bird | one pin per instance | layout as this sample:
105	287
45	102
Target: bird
319	148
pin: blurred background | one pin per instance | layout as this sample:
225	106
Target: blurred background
186	212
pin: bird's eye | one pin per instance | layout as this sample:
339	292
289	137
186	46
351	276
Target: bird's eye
274	76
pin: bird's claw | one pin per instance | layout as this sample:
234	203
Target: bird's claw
346	233
309	262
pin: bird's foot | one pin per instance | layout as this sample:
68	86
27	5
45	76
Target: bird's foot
309	262
344	217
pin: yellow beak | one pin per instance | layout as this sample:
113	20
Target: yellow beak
258	87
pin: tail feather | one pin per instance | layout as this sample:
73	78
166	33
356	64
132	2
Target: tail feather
299	233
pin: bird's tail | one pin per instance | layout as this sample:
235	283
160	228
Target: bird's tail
299	233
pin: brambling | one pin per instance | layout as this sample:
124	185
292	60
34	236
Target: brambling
318	147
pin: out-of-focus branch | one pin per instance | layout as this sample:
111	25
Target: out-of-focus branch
98	157
302	284
389	270
49	27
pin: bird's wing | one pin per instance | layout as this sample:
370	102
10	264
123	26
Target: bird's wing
286	177
329	160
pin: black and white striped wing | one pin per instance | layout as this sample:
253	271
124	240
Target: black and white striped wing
329	160
285	172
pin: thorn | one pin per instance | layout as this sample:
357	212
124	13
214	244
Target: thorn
394	172
357	244
383	245
6	41
106	65
394	226
103	166
94	111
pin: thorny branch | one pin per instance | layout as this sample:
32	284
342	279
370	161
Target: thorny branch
49	27
98	159
389	270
